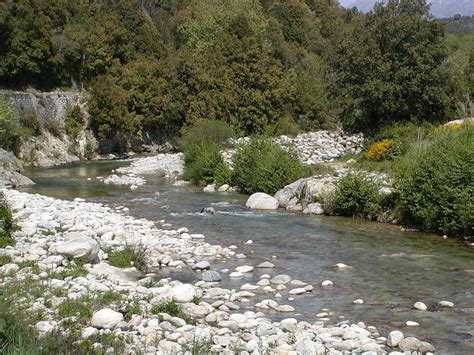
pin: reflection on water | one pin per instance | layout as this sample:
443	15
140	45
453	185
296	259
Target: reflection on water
391	269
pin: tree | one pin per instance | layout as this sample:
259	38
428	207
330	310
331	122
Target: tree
391	69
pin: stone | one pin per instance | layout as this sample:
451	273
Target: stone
202	265
44	327
341	266
79	247
223	188
411	323
409	344
88	332
262	201
244	269
210	188
285	308
183	293
394	338
327	283
358	301
314	209
265	265
106	319
297	291
446	304
208	210
211	276
306	346
420	306
280	279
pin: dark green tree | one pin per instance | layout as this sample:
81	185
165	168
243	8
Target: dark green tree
391	69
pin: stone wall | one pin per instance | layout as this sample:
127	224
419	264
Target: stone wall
43	105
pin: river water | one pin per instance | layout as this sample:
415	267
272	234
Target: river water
390	269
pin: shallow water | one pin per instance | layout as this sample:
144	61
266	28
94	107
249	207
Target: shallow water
391	269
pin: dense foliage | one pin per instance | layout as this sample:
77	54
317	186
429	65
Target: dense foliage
355	195
9	127
7	224
263	166
435	183
153	67
202	146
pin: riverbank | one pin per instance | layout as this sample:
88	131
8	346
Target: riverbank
48	227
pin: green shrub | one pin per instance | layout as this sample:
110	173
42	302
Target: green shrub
5	259
128	257
201	145
206	165
75	269
402	136
7	224
130	309
434	183
75	308
262	166
55	127
355	195
205	132
74	122
88	150
173	309
10	130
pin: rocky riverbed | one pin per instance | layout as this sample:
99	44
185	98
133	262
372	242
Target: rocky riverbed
56	234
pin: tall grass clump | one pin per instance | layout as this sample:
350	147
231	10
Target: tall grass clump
201	145
7	224
263	166
435	183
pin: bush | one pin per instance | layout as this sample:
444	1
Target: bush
205	132
5	259
74	122
262	166
9	127
355	195
206	165
202	145
128	257
434	183
88	150
174	310
7	224
55	127
380	150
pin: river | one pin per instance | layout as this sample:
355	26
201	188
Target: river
390	269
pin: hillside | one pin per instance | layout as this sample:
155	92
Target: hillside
439	8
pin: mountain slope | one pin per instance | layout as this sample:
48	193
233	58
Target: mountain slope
439	8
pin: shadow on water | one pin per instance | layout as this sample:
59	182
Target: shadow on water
390	269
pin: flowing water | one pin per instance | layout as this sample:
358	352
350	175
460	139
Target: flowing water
390	269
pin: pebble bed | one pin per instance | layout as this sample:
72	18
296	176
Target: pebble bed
55	232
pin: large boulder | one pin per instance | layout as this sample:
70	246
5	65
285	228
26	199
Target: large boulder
183	293
285	195
78	246
262	201
10	168
106	319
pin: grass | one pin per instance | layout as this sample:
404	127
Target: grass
128	257
76	269
31	264
109	297
174	310
5	259
130	309
75	308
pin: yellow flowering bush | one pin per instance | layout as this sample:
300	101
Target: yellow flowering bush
380	150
